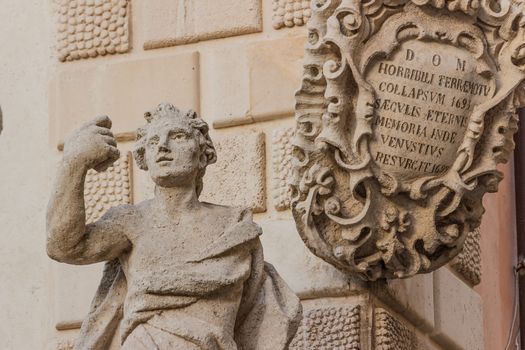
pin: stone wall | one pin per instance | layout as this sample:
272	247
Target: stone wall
238	63
25	173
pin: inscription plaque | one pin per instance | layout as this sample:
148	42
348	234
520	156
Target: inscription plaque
424	96
405	109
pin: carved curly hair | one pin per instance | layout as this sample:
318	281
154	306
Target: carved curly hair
200	131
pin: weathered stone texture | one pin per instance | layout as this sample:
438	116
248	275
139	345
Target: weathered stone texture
282	167
468	262
122	90
290	13
238	178
391	334
458	313
108	189
177	22
331	327
89	28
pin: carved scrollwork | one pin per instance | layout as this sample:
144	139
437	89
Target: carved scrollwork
405	109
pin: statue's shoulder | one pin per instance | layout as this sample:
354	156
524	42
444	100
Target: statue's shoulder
127	216
120	212
229	214
234	228
143	206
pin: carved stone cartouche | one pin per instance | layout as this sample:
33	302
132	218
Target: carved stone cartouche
405	110
181	274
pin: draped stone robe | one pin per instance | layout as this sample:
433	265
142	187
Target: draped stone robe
215	295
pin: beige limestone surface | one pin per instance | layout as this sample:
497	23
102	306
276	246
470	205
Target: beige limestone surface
30	305
122	89
178	22
458	315
264	76
25	174
307	275
75	289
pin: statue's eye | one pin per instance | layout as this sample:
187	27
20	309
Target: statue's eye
153	141
177	135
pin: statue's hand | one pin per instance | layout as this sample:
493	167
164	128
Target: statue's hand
92	145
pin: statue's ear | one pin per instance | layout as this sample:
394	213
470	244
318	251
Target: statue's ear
203	161
139	155
211	156
140	150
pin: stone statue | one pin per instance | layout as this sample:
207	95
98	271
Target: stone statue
180	273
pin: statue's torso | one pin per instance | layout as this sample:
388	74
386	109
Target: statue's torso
165	270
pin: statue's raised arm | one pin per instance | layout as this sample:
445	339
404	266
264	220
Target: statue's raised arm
92	146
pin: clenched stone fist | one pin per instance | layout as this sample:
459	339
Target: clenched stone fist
92	145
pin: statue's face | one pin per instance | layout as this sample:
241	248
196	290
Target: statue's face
172	153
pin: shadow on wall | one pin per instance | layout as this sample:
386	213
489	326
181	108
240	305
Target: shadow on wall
1	125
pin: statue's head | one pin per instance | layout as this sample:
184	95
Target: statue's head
175	147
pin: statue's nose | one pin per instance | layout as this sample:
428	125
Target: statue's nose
163	144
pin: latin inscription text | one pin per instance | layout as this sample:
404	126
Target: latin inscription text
424	97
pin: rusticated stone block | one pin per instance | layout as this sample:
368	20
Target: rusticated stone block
275	72
108	188
391	334
121	90
264	75
225	69
177	22
331	327
238	178
458	313
91	28
468	262
307	275
282	167
412	297
290	13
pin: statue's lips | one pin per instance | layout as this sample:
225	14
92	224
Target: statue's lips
164	159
